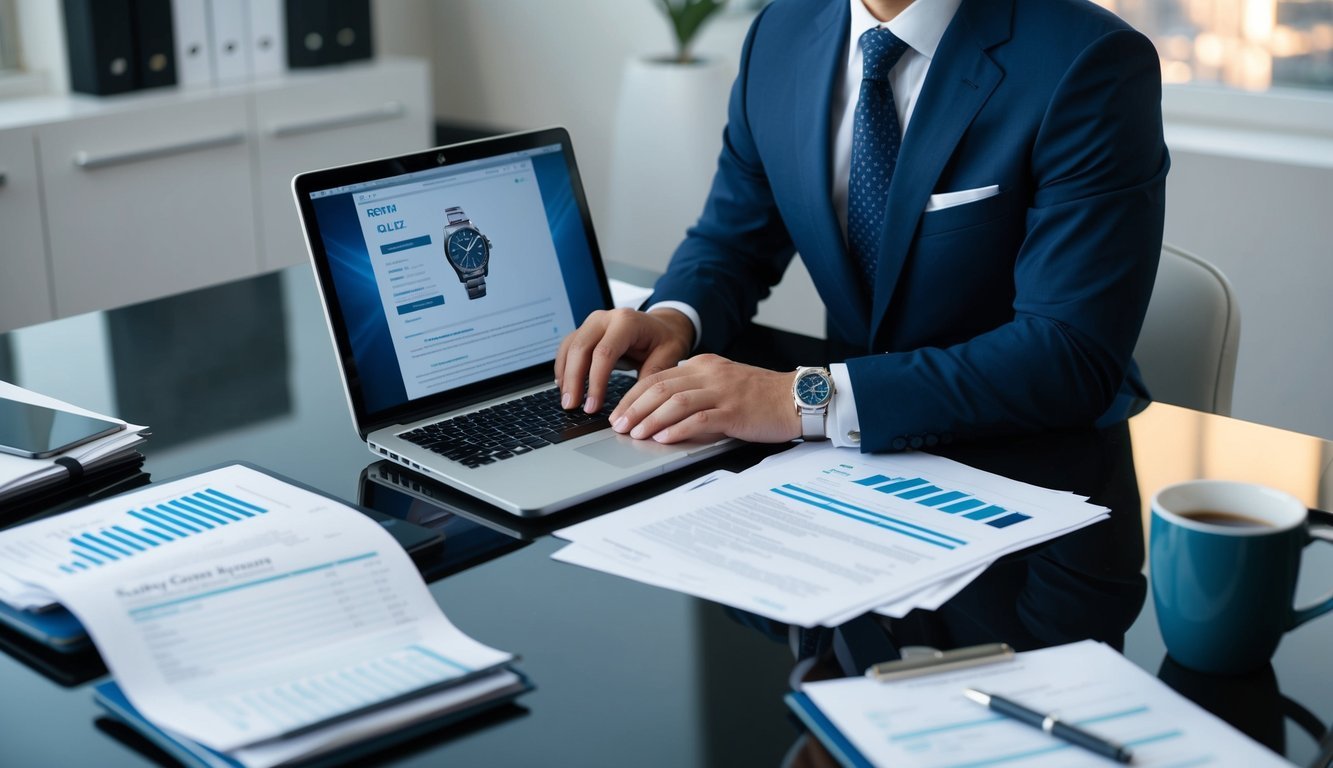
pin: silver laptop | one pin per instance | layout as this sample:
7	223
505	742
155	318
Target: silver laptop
449	278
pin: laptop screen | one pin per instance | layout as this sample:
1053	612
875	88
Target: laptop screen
453	276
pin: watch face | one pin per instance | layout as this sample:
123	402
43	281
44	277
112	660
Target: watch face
467	249
813	389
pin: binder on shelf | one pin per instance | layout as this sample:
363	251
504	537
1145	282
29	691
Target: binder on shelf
350	22
154	43
268	37
308	30
99	38
194	53
230	39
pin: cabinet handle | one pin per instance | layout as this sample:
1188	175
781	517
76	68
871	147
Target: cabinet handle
4	178
89	161
388	111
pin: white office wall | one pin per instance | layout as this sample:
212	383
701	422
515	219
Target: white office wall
1269	227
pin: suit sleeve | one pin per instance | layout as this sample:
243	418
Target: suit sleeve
739	249
1082	276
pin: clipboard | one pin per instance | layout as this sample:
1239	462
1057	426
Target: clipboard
915	665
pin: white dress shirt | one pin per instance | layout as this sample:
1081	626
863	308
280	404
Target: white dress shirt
920	25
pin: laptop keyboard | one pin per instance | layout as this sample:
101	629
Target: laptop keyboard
515	427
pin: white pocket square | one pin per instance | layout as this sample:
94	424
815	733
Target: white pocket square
961	197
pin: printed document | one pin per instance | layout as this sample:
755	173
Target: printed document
235	609
927	721
821	535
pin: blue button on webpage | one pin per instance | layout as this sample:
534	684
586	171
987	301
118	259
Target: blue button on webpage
420	304
403	245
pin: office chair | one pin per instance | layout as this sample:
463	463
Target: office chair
1187	348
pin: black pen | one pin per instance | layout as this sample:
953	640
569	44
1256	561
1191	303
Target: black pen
1051	724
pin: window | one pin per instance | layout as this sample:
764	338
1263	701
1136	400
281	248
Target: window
1252	45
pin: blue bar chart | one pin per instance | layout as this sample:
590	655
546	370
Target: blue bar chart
146	528
952	502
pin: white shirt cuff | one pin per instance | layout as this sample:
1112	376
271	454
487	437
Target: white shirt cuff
844	426
686	310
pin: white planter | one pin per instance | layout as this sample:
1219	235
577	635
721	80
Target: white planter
667	136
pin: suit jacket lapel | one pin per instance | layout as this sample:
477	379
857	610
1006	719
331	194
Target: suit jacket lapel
961	78
818	65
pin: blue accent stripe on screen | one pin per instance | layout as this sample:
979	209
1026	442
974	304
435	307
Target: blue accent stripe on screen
107	544
216	508
200	511
132	544
92	549
982	514
161	513
917	493
233	500
901	485
830	508
872	480
137	537
66	569
962	506
148	517
78	564
935	501
1008	520
185	513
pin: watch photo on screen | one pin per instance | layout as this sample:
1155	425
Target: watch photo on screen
468	251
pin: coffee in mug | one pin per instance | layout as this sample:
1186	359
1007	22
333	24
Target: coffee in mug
1223	559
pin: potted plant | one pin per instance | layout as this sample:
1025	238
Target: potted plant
687	18
666	138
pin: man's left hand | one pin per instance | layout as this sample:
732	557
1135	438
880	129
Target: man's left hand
706	397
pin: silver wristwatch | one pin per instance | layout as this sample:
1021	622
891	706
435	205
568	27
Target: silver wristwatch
812	391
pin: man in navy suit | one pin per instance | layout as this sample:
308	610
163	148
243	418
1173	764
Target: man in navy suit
977	190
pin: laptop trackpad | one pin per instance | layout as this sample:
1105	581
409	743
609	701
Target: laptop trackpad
622	451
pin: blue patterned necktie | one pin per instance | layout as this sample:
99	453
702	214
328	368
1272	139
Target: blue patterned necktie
875	139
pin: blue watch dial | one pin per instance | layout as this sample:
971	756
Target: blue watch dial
813	389
467	249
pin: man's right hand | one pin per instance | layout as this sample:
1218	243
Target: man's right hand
655	341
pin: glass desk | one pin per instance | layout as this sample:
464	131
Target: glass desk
625	673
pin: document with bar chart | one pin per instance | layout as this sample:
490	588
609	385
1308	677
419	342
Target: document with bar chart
927	722
235	609
825	534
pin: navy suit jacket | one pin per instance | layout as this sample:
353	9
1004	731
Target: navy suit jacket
1017	312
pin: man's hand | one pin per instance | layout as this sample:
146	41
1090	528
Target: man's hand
707	397
655	340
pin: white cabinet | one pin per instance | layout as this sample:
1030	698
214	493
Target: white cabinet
25	290
146	202
108	202
320	122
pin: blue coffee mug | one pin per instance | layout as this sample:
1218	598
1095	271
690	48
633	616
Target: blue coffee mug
1223	559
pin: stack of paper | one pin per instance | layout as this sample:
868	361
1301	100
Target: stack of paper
247	618
927	721
820	535
20	476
